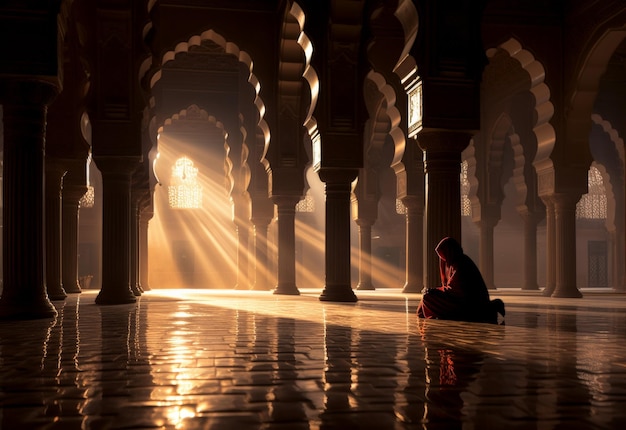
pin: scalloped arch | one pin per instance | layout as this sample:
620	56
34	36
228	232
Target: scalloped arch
544	109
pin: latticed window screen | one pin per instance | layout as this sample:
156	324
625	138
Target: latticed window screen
307	204
593	205
466	205
400	208
184	192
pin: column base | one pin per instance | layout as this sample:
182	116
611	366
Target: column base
56	292
57	296
287	289
567	292
368	286
136	290
115	298
338	293
412	288
547	292
72	287
26	310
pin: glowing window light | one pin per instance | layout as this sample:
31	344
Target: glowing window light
307	204
400	208
184	192
593	205
88	199
466	204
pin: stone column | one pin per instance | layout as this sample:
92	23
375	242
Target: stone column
261	281
487	225
365	255
144	220
565	223
54	179
414	244
338	287
530	249
243	236
550	248
24	293
134	245
116	208
442	165
72	194
286	245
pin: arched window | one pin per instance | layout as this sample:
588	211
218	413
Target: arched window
466	204
593	205
184	192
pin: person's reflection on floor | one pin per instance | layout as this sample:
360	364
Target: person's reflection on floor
463	295
449	372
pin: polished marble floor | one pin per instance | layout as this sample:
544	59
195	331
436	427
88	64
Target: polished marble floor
221	359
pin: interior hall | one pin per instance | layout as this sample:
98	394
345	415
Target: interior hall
224	213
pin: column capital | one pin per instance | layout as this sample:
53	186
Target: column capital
338	175
443	141
28	92
120	164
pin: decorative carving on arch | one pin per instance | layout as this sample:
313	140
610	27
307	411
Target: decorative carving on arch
543	107
613	176
211	41
384	119
394	27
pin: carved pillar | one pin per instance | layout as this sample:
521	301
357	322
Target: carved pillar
144	220
116	182
442	165
54	179
365	255
565	223
71	198
414	244
530	249
24	293
286	206
550	248
338	286
487	225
